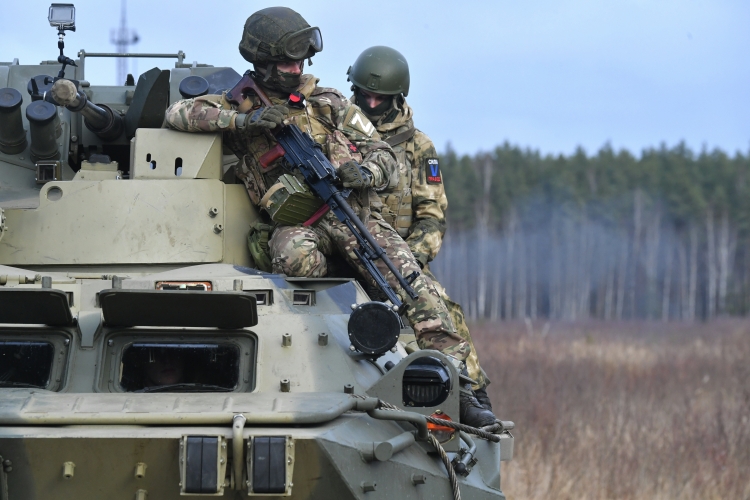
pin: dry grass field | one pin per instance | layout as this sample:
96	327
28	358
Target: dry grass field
623	410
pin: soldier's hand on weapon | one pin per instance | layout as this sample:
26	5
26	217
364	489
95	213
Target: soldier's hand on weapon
265	118
354	176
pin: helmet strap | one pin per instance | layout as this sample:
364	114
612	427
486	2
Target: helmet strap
398	106
390	116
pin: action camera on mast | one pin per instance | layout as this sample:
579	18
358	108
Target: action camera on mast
62	16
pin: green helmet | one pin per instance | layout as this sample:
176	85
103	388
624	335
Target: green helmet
277	34
382	70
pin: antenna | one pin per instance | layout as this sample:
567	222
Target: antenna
122	38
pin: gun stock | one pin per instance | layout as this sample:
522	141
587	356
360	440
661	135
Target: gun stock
246	84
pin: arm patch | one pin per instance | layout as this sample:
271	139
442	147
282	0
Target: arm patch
356	121
432	171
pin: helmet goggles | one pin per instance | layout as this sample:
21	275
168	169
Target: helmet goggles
298	44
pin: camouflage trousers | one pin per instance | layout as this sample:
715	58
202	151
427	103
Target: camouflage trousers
457	316
301	252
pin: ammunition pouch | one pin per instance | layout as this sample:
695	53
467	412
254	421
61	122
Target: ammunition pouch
399	210
257	243
397	198
388	216
290	202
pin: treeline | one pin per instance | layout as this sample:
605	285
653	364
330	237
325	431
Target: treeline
610	236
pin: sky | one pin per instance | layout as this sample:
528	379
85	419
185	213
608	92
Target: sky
551	75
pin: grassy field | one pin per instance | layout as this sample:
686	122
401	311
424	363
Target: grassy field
626	411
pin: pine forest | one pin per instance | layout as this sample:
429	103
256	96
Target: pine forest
664	235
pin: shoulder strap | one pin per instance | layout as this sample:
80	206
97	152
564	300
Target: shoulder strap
397	139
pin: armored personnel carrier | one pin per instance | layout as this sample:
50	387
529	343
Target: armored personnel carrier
142	356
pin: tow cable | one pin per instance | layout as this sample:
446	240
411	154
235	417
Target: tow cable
487	433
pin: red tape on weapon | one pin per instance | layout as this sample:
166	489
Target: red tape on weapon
271	156
317	215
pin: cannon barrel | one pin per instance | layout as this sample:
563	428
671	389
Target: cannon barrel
99	118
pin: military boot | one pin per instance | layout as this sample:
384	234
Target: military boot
472	412
483	398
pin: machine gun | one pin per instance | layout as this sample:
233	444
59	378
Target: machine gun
301	152
304	154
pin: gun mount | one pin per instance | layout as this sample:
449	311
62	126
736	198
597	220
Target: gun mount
101	119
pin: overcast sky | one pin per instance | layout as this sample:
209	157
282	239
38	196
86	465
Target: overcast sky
545	74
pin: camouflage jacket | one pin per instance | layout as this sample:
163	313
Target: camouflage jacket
415	202
334	122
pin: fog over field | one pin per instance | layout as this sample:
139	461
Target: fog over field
612	235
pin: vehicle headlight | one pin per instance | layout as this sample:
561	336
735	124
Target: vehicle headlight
426	382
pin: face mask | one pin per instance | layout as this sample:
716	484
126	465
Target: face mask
281	80
287	82
377	110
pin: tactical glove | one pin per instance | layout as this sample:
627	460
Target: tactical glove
262	118
354	176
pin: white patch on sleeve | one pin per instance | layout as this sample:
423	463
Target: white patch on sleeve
360	123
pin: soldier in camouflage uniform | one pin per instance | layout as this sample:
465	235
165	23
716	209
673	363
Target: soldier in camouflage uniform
414	202
276	41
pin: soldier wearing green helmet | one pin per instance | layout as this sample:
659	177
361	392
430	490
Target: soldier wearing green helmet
274	38
415	200
277	41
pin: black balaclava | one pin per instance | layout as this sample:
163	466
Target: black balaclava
280	81
375	112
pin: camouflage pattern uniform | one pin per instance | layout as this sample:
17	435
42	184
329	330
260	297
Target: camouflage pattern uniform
345	134
415	205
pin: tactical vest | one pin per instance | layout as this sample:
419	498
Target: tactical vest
258	179
260	144
397	196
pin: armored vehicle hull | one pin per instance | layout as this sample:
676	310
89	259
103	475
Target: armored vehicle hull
142	356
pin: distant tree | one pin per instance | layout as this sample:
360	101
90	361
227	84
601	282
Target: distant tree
610	235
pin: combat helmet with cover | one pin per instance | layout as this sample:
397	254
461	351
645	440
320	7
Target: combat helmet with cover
382	70
277	34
